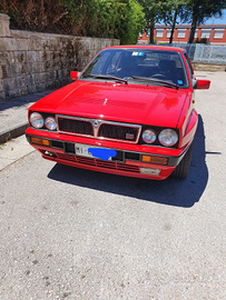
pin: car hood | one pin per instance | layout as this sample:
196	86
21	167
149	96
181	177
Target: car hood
140	104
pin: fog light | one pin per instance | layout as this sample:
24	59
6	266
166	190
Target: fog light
150	171
49	153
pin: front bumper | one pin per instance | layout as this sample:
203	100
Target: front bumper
129	160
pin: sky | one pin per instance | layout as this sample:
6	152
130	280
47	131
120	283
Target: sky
217	20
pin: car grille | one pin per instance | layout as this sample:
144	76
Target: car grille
99	163
124	133
100	129
75	126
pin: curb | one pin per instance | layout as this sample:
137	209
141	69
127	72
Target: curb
13	133
13	114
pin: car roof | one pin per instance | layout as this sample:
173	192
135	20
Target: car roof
154	47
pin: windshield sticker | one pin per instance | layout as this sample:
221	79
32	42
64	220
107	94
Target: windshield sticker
104	154
180	82
137	53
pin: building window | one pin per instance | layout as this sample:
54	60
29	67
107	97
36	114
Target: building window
168	33
181	33
159	33
196	33
148	33
218	33
205	33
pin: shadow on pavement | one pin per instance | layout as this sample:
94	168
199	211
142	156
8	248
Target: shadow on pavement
175	192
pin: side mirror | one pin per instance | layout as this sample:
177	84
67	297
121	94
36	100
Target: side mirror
74	75
202	84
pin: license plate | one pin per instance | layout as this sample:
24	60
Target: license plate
94	152
82	150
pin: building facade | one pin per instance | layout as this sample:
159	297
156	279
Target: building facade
214	34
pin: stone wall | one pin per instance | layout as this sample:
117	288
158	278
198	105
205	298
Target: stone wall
31	62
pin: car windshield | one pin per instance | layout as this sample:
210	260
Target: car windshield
122	65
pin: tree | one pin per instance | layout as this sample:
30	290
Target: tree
121	19
197	11
170	17
81	16
39	15
130	21
151	16
156	11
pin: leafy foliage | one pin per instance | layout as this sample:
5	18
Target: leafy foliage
34	15
122	19
201	41
155	11
197	11
170	16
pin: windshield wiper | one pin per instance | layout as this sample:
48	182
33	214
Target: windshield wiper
108	77
157	81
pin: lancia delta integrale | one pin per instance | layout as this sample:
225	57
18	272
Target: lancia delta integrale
129	112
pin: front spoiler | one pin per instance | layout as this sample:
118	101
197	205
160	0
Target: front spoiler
63	152
67	148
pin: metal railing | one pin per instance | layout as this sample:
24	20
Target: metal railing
204	53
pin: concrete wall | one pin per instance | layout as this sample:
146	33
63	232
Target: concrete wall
32	62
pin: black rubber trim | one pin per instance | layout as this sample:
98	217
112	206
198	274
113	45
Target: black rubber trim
175	160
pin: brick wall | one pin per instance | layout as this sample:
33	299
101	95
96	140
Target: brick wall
31	61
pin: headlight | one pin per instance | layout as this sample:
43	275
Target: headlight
36	120
50	123
149	136
168	137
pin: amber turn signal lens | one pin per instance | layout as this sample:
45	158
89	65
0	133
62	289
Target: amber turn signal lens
155	159
146	158
39	141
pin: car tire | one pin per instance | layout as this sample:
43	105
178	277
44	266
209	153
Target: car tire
182	169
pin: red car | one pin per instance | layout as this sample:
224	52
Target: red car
129	112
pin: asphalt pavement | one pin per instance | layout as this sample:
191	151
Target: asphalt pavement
73	234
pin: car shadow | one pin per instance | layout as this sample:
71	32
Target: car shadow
175	192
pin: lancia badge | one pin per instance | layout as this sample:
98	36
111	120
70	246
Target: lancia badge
96	123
